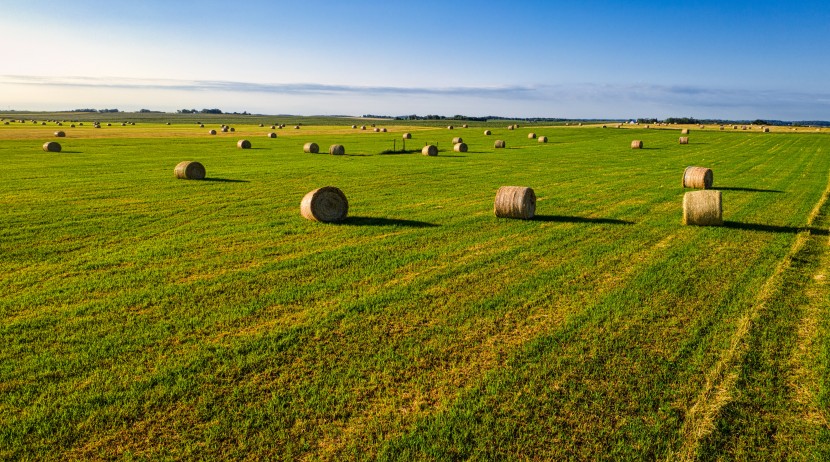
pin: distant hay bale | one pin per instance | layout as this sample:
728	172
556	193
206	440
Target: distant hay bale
273	127
499	144
510	127
327	205
311	148
232	129
212	132
515	202
407	136
243	144
648	126
685	131
457	140
734	127
52	146
224	129
337	150
702	127
296	127
123	124
429	150
766	129
71	126
543	139
619	125
449	127
487	133
698	178
189	170
743	127
60	134
110	125
354	126
703	208
377	130
459	147
363	127
637	144
261	125
604	126
684	140
272	135
531	136
201	125
465	126
168	123
383	130
515	125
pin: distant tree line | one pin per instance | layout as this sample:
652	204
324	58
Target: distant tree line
95	110
203	111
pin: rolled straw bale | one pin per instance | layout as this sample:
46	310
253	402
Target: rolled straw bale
383	129
261	125
698	177
60	134
272	135
201	125
702	126
311	148
296	127
531	136
373	125
407	136
327	204
337	150
212	132
685	131
81	124
52	146
243	144
515	125
734	127
168	123
44	123
224	129
449	127
648	126
703	208
232	129
510	127
123	124
636	144
459	147
377	130
429	150
499	144
273	127
189	170
515	202
363	127
110	125
604	126
766	129
684	140
465	126
543	139
487	133
457	140
354	126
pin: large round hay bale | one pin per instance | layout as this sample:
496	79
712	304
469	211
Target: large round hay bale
377	130
499	144
766	129
684	140
52	146
272	135
702	208
337	150
407	136
261	125
363	127
296	127
429	150
460	147
189	170
354	126
531	136
449	127
201	125
60	134
232	129
327	204
685	131
487	133
212	132
383	130
273	127
465	126
636	144
110	125
457	140
515	202
510	127
243	144
543	139
224	129
311	148
168	123
698	177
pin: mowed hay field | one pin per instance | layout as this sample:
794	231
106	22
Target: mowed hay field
149	317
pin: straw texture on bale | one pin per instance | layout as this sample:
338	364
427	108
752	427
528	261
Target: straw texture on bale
407	136
636	144
531	135
311	148
698	177
261	125
684	140
515	202
52	146
499	144
60	134
543	139
212	132
460	147
189	170
429	150
702	208
685	131
272	135
457	140
337	150
243	144
487	133
327	204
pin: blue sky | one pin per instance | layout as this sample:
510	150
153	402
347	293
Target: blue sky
578	59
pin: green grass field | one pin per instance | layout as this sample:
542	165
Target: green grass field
145	317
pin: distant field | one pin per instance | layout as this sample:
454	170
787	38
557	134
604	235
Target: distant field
154	318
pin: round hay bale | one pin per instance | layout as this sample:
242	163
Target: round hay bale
81	124
110	125
766	129
510	127
515	125
734	127
52	146
636	144
383	130
487	133
232	129
168	123
457	140
684	140
337	150
605	126
261	125
515	202
273	127
543	139
363	127
703	208
648	126
212	132
272	135
311	148
60	134
44	123
685	131
189	170
354	126
698	177
243	144
123	124
377	130
72	126
702	127
201	125
465	126
373	125
296	127
460	147
499	144
407	136
449	127
429	150
224	129
531	136
327	204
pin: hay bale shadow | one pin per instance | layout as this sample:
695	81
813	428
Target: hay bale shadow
727	188
774	228
224	180
376	221
570	219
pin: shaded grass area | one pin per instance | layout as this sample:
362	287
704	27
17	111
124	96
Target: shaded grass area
158	318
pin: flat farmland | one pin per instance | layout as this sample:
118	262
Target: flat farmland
153	318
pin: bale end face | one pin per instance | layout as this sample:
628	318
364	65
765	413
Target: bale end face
52	146
531	136
457	140
60	134
515	202
543	139
407	136
189	170
636	144
429	150
459	147
212	132
327	204
337	150
698	177
487	133
499	144
703	208
311	148
272	135
243	144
